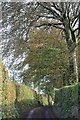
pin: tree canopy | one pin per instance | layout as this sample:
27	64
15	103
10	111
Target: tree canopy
23	16
19	19
47	57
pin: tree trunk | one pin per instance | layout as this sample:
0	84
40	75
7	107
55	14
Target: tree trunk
79	61
49	100
75	66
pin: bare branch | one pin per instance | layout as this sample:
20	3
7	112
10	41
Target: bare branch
54	12
55	5
75	29
75	21
44	16
79	25
56	25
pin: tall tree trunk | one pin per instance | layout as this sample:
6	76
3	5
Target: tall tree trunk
75	66
79	61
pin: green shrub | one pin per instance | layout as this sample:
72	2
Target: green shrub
16	98
66	98
25	98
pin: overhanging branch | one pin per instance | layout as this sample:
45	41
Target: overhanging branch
53	12
56	25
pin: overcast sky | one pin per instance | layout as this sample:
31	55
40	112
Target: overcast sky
39	0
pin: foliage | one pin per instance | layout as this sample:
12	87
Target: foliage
47	59
13	104
16	97
66	98
8	98
24	16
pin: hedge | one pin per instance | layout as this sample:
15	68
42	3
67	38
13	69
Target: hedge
15	98
66	98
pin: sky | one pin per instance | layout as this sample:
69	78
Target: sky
39	0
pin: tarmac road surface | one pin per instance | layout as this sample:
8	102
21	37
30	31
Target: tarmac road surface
39	112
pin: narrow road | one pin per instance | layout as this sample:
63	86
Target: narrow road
39	112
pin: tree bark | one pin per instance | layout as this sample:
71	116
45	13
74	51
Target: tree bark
75	66
71	40
79	61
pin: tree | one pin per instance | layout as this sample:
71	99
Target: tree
79	61
47	59
65	16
